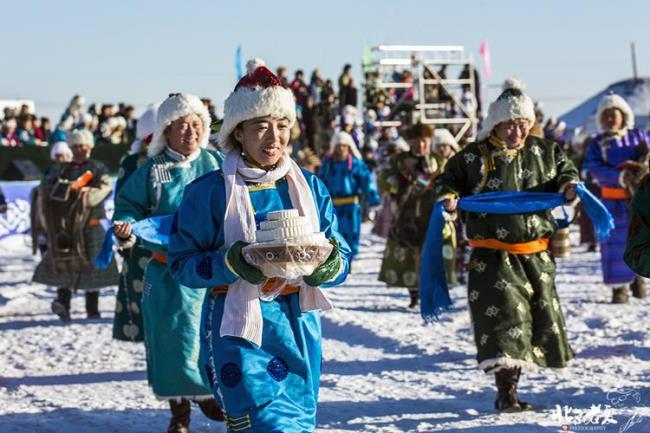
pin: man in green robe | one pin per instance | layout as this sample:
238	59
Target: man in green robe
409	181
637	248
513	302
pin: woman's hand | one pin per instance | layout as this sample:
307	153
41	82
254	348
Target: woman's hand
570	193
122	229
450	204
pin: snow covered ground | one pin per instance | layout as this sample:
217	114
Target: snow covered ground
383	371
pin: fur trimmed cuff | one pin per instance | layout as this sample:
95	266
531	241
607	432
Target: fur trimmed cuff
563	188
445	197
493	365
126	244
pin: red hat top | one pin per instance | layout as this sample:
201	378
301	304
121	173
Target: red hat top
261	77
259	93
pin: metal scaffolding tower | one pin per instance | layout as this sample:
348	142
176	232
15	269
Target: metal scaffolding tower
413	82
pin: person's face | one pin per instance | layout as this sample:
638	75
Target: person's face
420	146
444	150
28	124
263	139
342	152
612	119
80	152
513	132
185	134
60	157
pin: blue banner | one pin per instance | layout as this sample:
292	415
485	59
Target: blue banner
17	218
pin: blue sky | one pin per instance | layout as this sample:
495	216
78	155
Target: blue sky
139	51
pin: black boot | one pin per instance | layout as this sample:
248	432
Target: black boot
211	409
415	299
524	405
620	295
61	305
92	305
507	400
638	288
180	420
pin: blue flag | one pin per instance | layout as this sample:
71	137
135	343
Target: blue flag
238	63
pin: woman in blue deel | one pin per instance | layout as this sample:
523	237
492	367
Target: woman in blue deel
349	181
262	358
171	313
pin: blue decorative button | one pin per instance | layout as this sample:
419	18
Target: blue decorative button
230	375
204	268
278	369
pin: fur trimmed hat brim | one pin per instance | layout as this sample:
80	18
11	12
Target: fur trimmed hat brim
615	101
174	108
512	104
443	136
345	139
81	136
248	103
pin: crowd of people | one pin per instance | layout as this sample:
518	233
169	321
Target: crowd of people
108	123
287	145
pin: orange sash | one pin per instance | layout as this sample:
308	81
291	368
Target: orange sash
614	193
531	247
268	286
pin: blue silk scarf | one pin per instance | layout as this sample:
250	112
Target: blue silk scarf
154	230
434	293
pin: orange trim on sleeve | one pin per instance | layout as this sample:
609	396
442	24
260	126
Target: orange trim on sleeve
160	257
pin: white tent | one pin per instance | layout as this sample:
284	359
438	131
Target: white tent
635	91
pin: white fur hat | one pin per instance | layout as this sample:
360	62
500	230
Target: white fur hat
443	136
256	95
402	144
116	122
144	127
342	137
175	107
80	136
615	101
146	124
77	101
85	119
512	104
60	148
253	64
